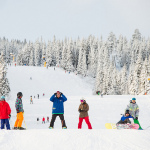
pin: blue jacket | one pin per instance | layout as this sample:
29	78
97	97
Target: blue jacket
58	106
123	118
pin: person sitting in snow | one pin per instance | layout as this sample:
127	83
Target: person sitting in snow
125	118
58	100
134	111
83	110
5	113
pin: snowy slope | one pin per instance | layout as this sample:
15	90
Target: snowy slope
102	110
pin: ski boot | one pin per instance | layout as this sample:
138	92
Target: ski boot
50	127
15	128
64	127
21	128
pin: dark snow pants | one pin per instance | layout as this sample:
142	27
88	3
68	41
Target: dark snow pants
61	116
3	122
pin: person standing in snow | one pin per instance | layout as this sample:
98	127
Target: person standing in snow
31	100
83	110
43	120
20	111
134	111
38	96
5	113
58	108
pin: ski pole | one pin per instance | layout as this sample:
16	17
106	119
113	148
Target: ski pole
25	124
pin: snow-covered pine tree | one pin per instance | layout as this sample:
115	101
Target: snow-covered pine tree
38	54
69	63
49	56
32	56
4	84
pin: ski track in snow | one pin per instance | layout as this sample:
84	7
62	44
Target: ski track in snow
102	110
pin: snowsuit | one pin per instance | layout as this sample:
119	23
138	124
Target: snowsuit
5	111
83	109
134	112
58	109
19	109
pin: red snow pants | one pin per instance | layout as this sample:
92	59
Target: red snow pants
87	122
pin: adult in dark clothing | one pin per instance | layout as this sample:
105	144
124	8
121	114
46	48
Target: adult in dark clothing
58	108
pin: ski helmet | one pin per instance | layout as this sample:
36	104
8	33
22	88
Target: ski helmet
19	94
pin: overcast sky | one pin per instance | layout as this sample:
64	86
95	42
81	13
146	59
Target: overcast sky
30	19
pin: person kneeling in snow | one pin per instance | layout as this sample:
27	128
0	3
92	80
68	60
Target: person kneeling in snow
83	110
58	108
5	113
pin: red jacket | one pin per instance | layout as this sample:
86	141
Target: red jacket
5	110
43	119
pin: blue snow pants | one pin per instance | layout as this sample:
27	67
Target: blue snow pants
3	122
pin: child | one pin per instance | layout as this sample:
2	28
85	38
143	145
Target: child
83	109
5	113
20	111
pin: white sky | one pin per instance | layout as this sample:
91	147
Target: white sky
30	19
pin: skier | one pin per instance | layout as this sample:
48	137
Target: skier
20	111
38	96
43	94
5	113
58	109
43	120
31	100
83	110
134	111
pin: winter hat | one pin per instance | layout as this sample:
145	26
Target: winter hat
2	97
127	112
58	92
134	99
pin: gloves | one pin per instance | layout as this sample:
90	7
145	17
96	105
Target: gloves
80	110
9	115
136	118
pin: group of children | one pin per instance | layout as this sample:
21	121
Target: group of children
132	111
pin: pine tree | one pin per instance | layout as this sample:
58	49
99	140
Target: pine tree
4	84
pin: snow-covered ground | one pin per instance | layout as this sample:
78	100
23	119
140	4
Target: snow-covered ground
102	110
